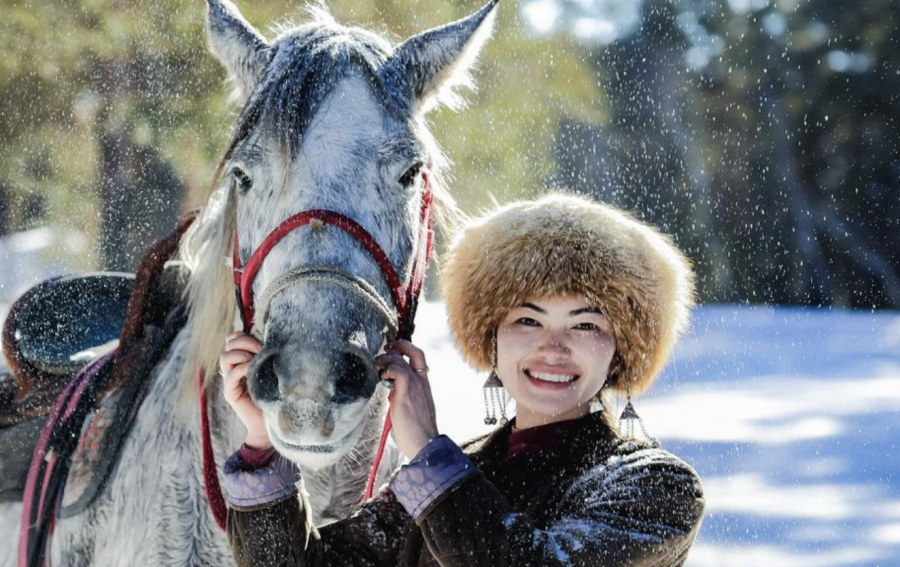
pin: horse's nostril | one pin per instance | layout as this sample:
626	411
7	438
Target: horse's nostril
262	381
355	378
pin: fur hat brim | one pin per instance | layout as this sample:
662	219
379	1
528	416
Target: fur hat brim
563	245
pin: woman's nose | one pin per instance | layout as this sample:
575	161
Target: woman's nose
554	342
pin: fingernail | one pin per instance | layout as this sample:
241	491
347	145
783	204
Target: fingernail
388	384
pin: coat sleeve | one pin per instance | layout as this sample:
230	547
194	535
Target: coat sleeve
279	533
640	509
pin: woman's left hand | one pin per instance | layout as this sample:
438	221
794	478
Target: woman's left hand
412	406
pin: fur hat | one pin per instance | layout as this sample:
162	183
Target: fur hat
568	245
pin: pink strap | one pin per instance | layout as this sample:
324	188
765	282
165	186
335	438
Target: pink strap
370	482
417	278
62	409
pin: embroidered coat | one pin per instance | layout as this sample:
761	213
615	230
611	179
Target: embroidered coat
592	499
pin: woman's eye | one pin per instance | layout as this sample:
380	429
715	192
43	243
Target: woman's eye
243	180
410	175
527	321
587	327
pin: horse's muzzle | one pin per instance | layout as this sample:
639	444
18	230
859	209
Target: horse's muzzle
301	372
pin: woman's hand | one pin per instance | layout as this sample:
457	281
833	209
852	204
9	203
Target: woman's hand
412	406
240	348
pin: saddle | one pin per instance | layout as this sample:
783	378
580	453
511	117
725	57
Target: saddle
81	350
50	333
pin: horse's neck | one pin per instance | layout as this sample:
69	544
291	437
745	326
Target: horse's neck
177	402
334	492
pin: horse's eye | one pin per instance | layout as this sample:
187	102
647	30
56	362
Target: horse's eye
409	176
243	180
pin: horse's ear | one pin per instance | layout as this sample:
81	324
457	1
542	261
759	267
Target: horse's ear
244	52
427	68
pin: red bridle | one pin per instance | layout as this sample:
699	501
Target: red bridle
404	302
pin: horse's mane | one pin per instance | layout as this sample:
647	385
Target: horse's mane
284	104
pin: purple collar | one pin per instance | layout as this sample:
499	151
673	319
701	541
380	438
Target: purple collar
536	439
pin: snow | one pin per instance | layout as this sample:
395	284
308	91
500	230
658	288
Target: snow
789	415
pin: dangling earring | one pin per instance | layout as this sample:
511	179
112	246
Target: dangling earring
629	416
597	400
494	392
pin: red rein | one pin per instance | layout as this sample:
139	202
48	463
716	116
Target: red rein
405	303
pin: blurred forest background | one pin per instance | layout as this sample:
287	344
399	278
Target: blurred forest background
762	134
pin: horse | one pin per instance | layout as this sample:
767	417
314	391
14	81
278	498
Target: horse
333	118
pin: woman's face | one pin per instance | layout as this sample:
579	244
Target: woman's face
553	356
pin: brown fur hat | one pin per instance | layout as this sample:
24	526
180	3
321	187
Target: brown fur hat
568	245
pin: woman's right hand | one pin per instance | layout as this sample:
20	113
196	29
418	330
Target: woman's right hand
240	348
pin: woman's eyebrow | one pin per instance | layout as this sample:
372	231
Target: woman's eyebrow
533	307
584	310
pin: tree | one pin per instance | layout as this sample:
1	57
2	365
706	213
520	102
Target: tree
764	136
121	109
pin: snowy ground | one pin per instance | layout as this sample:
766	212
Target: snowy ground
789	415
34	255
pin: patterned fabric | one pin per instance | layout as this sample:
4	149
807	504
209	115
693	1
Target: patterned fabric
438	466
85	460
248	486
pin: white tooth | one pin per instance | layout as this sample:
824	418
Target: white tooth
553	377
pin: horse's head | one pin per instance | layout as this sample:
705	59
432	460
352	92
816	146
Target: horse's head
333	119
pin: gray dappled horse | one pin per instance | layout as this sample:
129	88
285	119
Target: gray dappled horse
333	118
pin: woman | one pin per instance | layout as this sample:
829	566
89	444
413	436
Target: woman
561	297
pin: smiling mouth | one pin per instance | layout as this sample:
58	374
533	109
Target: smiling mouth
553	378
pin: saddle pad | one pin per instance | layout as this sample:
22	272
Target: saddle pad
106	427
83	481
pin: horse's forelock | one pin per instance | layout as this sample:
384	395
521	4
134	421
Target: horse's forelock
309	61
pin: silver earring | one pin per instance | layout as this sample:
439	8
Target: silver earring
629	416
494	393
597	400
